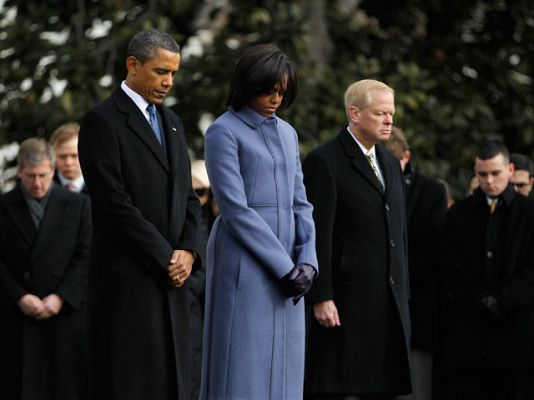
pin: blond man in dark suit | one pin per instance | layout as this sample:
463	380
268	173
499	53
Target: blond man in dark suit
360	327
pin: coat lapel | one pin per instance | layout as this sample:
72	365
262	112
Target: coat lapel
54	211
358	159
175	147
172	140
18	210
386	165
140	126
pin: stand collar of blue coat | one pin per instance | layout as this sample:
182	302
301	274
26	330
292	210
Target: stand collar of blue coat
251	117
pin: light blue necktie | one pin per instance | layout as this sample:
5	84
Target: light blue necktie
154	122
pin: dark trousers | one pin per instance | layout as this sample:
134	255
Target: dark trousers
479	384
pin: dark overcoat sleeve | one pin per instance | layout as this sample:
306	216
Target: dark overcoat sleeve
321	192
73	285
10	289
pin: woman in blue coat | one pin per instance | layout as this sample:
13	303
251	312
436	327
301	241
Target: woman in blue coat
261	251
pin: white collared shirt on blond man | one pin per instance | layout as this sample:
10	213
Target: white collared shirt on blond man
373	152
76	185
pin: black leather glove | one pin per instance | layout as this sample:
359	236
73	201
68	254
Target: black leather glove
298	281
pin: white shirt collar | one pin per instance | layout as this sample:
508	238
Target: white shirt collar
490	200
139	101
78	183
361	146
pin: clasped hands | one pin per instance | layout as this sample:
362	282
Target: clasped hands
40	309
298	281
180	266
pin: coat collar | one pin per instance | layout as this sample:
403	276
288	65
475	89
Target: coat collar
35	239
251	117
137	122
507	196
362	165
54	211
20	215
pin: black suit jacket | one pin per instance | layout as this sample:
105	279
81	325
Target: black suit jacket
361	247
54	259
143	208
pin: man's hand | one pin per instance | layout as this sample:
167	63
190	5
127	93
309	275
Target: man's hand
33	307
326	314
180	267
53	304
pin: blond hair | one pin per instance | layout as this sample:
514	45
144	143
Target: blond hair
64	133
359	93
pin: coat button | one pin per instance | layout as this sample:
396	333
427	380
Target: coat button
392	242
387	208
392	281
489	254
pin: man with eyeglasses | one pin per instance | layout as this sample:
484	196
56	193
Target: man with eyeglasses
523	176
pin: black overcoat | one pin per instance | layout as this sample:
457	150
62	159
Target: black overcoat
44	360
143	207
427	208
483	257
361	247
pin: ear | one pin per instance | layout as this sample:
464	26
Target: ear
131	65
407	155
511	168
354	114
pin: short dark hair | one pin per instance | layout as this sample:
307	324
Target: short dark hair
522	163
143	45
492	148
256	73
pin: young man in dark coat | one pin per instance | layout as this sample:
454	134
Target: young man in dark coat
135	163
489	261
359	335
45	233
68	170
426	201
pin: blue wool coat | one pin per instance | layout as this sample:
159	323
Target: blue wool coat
253	334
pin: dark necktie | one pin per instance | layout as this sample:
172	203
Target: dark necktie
154	122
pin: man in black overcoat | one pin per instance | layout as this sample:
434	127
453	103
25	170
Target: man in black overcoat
489	262
426	202
359	334
45	233
145	213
